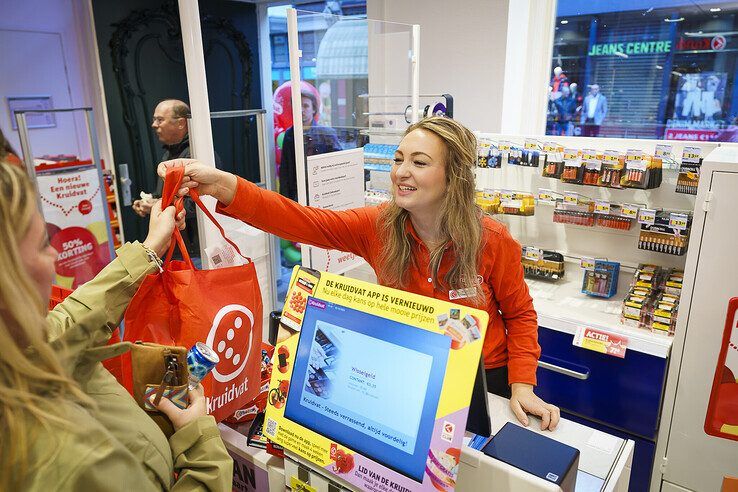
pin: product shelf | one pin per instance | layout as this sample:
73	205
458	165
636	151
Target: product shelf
561	306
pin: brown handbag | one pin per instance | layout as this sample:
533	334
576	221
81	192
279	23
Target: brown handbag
159	371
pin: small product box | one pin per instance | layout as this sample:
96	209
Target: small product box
602	280
573	167
554	160
612	168
543	264
665	231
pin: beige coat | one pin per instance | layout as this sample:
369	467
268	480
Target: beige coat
117	446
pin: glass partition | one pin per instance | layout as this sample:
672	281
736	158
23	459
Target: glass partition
637	70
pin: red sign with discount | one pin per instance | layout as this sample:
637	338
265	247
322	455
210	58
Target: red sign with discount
601	341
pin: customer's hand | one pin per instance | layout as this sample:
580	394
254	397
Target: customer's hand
161	227
524	400
207	179
198	407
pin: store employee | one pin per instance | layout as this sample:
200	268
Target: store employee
430	239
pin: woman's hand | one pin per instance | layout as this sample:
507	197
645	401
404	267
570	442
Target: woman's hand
161	227
198	407
524	400
207	179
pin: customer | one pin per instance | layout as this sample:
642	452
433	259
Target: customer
431	239
65	423
317	139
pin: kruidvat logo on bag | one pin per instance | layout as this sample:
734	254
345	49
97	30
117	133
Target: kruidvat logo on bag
225	337
227	396
317	304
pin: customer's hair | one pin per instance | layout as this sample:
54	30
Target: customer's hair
33	383
180	109
459	221
5	147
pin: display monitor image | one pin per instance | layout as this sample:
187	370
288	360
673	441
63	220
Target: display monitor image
368	383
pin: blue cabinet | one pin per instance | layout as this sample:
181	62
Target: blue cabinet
620	396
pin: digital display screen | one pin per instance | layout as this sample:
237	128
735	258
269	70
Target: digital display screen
368	383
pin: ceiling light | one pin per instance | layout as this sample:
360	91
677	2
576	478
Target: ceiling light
564	21
674	20
659	67
715	9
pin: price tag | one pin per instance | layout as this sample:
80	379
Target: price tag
611	156
589	154
600	341
678	221
602	207
571	154
506	195
550	147
512	203
587	263
533	254
504	145
629	210
663	151
571	197
691	155
530	144
647	216
545	196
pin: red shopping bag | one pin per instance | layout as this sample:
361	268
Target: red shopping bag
222	307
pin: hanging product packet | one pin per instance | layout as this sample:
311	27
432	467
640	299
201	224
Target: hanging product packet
222	308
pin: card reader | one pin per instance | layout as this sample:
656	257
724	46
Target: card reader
535	454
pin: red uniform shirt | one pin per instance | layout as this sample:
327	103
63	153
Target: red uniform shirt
512	333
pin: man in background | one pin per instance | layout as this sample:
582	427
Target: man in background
593	112
170	124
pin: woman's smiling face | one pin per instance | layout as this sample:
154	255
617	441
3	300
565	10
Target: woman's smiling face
419	172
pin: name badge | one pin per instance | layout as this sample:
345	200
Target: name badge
461	293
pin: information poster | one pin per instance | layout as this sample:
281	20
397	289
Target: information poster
72	202
375	388
335	182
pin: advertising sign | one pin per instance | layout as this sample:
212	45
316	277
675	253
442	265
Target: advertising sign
247	477
722	410
600	341
72	200
375	388
335	182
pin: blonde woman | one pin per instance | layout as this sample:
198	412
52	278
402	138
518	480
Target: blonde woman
431	239
65	423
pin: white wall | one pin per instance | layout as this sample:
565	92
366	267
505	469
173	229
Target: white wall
462	52
48	47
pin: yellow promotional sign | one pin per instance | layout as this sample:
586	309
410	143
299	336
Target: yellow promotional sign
375	387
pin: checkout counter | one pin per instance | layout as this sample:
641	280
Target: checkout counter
604	461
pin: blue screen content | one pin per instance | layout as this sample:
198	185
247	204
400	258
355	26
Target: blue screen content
368	383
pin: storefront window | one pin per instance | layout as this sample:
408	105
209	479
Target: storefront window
645	69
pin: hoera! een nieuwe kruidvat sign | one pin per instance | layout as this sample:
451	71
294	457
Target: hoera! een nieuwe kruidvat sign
630	48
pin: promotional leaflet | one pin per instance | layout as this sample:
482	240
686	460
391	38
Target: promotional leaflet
335	181
72	200
375	388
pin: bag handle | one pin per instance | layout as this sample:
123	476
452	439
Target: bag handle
172	182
